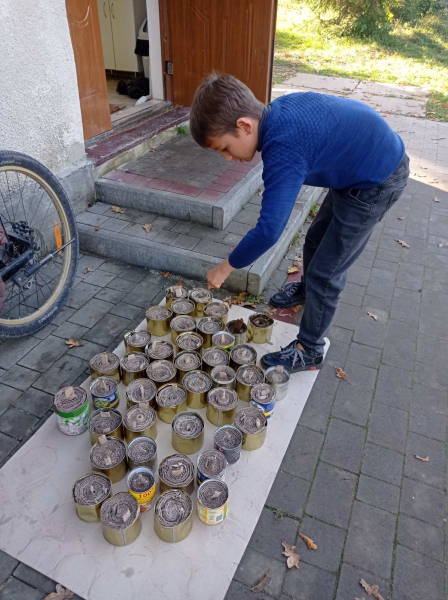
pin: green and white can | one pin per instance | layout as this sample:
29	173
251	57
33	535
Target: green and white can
72	410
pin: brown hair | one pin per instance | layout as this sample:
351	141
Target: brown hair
218	103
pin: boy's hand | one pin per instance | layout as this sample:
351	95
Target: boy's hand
217	275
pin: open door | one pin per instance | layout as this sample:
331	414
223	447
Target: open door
235	37
86	40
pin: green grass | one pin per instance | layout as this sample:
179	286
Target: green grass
409	55
182	129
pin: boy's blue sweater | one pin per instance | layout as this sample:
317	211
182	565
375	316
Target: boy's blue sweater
318	140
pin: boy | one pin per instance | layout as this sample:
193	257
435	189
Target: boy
311	139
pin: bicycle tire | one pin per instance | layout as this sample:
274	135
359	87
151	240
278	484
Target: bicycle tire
17	159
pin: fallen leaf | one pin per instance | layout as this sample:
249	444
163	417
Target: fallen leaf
180	282
262	582
296	308
88	270
165	273
97	228
293	270
401	218
372	590
374	317
297	263
435	199
341	374
426	459
229	300
73	343
290	552
440	245
260	192
117	209
309	542
403	243
147	227
61	594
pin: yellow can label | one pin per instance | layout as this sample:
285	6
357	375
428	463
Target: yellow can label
144	497
212	516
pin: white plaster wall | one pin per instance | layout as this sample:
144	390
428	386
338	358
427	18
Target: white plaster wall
39	102
155	49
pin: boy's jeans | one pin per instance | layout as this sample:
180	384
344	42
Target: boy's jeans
337	236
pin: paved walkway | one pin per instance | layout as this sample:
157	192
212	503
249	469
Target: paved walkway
350	480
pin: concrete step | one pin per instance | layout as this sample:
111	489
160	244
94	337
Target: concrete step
186	248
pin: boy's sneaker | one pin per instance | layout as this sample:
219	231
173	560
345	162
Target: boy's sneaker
291	295
293	359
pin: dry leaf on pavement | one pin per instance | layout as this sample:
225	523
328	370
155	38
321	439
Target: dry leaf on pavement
401	218
435	199
293	270
117	209
426	459
341	374
403	243
372	590
229	300
97	228
260	192
73	343
369	314
147	227
165	273
88	270
180	282
262	582
290	552
309	542
296	308
61	593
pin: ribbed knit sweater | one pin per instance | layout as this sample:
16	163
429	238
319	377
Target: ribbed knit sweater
319	140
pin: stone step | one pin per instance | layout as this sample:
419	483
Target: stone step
183	247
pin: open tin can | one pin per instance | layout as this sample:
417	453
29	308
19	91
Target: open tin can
104	392
120	519
181	324
223	376
244	354
183	307
72	410
141	390
201	297
136	340
133	366
105	364
212	464
223	340
142	452
190	341
158	320
187	432
259	328
142	485
176	472
207	327
197	384
105	421
173	516
213	357
108	456
175	292
253	425
160	350
187	361
217	309
221	406
89	493
213	501
246	377
162	372
138	421
278	377
228	440
171	400
238	328
262	397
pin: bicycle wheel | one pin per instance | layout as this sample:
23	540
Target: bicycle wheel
38	220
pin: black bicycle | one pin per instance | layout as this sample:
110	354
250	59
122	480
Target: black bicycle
38	245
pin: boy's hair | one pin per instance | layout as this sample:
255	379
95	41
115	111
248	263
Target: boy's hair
218	103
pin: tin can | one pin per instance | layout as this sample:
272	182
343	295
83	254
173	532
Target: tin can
223	376
176	472
105	421
228	440
158	320
217	309
162	372
187	432
138	421
262	397
238	328
160	350
224	340
186	361
246	377
120	519
141	390
171	400
136	340
181	324
221	406
259	328
142	452
108	456
207	327
212	464
89	493
213	501
253	424
244	354
213	357
190	341
133	366
173	516
72	410
104	391
183	307
201	297
278	377
142	485
105	364
175	292
197	384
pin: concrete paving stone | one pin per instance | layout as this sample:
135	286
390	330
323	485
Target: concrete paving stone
420	537
35	402
106	330
7	566
432	472
349	586
417	576
34	578
247	217
392	256
309	582
383	464
81	294
400	330
91	313
113	224
381	288
211	248
87	350
45	331
378	493
122	285
384	265
352	404
382	316
288	494
332	495
355	289
11	351
238	591
183	227
16	423
303	452
207	233
435	303
7	445
62	316
429	424
375	304
364	355
165	237
422	502
326	84
233	239
329	540
340	334
144	294
388	427
380	273
358	275
110	295
20	378
317	410
61	373
327	380
254	565
269	533
239	228
128	311
378	527
112	267
360	375
338	351
431	375
99	208
351	299
369	332
363	261
393	387
343	445
185	241
346	316
89	218
70	331
399	353
432	326
99	278
44	354
88	261
17	590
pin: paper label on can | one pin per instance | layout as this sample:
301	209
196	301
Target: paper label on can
212	516
267	409
110	401
144	497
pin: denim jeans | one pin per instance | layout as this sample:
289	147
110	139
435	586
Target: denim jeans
335	239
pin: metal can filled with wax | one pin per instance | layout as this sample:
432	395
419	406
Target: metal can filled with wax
262	397
175	292
158	320
201	297
213	501
133	366
253	425
136	340
246	377
259	328
244	354
72	410
105	421
160	350
278	377
161	372
120	519
181	324
187	432
190	340
207	327
141	390
224	340
183	307
221	406
142	452
108	456
238	328
176	472
173	516
213	357
187	361
142	485
104	391
212	464
197	384
105	364
228	439
171	400
140	420
217	309
223	376
89	493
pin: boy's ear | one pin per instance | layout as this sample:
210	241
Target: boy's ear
245	124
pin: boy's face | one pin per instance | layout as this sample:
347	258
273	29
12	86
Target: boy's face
241	145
